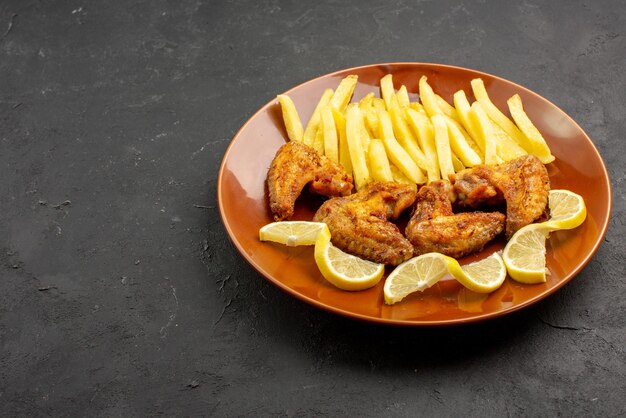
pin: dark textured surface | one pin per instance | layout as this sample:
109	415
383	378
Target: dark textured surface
120	293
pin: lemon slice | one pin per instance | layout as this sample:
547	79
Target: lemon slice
292	233
482	276
525	254
344	270
420	273
567	210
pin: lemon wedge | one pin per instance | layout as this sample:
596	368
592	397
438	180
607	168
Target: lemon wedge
292	233
420	273
525	253
344	270
567	210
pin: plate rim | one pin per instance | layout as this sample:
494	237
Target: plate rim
403	322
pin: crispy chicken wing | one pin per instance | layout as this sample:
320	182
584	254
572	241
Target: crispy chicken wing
295	165
434	227
359	223
522	183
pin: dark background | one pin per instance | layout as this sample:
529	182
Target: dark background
120	292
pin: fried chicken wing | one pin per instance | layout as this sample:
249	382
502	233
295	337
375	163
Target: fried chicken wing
360	223
522	183
295	165
434	227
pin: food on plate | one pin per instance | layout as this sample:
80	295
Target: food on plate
434	227
344	270
420	273
393	153
522	183
360	224
296	165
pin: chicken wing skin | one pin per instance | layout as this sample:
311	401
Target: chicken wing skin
522	183
434	227
295	165
360	223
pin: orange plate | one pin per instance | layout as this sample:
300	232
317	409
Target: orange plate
242	196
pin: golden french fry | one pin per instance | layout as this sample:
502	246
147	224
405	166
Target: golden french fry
293	126
344	92
318	141
446	108
418	106
331	142
460	146
506	147
344	154
386	90
535	143
442	141
462	106
478	87
457	164
403	96
378	161
400	177
354	132
421	125
398	155
314	121
371	121
484	131
470	141
379	103
405	136
429	100
366	101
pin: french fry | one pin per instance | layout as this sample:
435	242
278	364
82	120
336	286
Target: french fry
418	106
354	132
344	154
293	126
400	177
378	161
484	133
421	125
468	138
386	90
442	142
405	136
446	108
506	147
460	146
331	142
403	96
535	143
343	94
398	156
318	141
379	103
429	100
371	121
478	87
462	106
314	121
366	101
457	164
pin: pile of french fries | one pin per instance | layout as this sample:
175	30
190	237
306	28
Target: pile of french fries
391	138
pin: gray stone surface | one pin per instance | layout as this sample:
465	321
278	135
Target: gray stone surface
120	293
